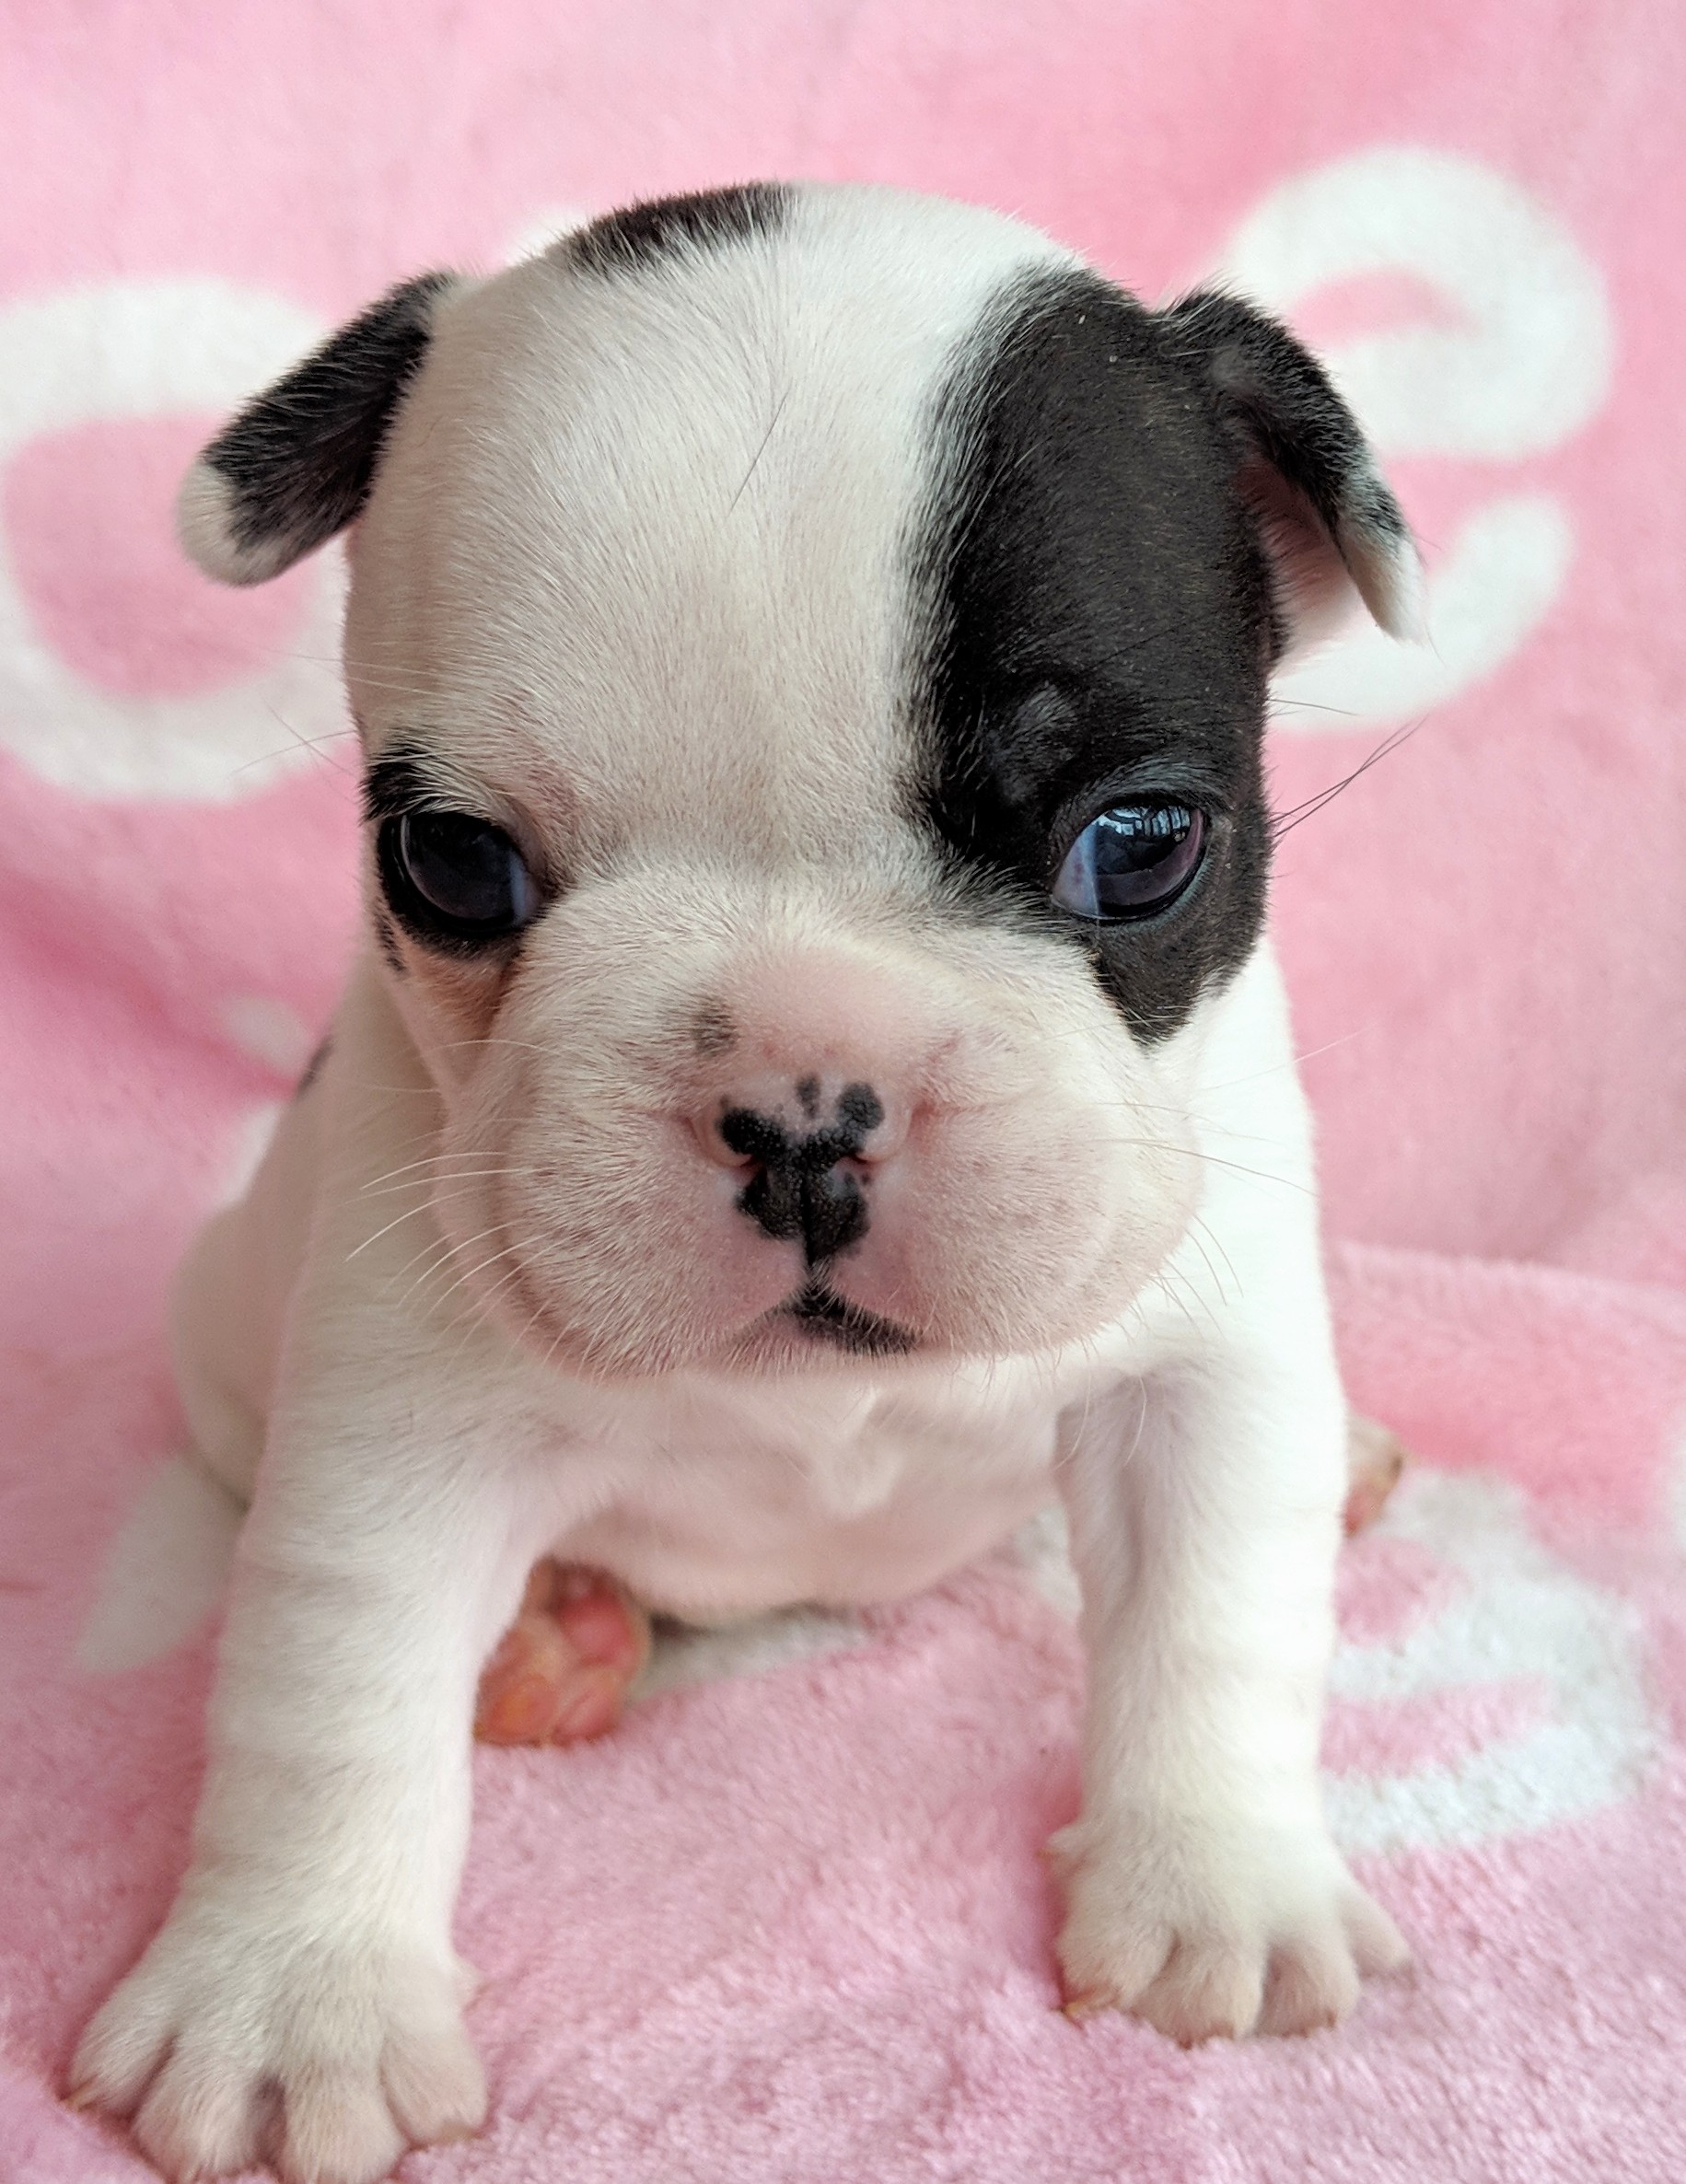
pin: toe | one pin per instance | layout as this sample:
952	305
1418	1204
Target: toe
590	1706
120	2051
1111	1977
521	1685
1312	1982
1207	1991
1377	1942
339	2128
562	1670
435	2084
211	2132
602	1625
1375	1463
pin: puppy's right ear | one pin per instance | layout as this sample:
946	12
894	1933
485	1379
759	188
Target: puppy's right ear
1325	514
295	466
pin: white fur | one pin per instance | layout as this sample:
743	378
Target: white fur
205	527
485	1301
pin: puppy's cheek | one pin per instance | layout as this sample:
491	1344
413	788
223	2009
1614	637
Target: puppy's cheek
1092	1223
1013	1231
449	1009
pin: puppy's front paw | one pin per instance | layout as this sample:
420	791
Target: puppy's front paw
232	2043
1216	1929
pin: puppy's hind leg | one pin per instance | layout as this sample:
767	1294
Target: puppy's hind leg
1375	1460
561	1672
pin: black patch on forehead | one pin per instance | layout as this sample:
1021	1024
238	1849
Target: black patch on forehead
664	227
1100	629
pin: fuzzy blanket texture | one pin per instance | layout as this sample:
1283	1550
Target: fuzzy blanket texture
790	1922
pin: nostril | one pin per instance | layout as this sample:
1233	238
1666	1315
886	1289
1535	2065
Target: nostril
753	1136
801	1129
877	1131
859	1109
708	1128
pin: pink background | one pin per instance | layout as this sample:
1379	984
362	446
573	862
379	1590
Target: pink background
1485	937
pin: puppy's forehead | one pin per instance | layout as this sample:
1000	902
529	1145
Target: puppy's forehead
649	513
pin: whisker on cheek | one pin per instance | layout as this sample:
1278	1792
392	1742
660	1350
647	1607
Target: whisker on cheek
442	1255
491	1039
1147	1144
428	1160
435	1198
478	1311
458	1174
468	1273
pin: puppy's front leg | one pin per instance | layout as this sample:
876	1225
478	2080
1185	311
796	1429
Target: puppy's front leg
1204	1890
302	2002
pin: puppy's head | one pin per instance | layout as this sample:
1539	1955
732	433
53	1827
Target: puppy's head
811	650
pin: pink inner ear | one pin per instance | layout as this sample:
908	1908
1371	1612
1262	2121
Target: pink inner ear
89	526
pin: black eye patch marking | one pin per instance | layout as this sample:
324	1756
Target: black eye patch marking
664	227
1100	619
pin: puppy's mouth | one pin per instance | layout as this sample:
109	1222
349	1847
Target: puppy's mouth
824	1316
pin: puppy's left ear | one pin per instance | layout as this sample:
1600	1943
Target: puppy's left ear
1329	522
295	466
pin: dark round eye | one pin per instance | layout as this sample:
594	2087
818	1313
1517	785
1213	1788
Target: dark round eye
457	876
1131	860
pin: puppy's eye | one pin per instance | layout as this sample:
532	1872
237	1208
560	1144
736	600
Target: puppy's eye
1130	861
455	876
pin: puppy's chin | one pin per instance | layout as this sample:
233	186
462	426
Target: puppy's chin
816	1327
814	1332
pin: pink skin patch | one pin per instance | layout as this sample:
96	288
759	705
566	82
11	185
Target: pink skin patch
561	1672
89	525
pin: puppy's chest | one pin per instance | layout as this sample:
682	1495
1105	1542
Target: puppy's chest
723	1505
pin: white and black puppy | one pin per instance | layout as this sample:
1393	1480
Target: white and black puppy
816	1087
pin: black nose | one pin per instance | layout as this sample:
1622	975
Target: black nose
800	1187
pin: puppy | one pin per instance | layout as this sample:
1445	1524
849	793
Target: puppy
816	1086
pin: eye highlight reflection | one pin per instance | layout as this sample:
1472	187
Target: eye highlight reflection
1131	860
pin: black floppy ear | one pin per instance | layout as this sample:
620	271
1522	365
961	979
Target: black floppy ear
297	464
1326	516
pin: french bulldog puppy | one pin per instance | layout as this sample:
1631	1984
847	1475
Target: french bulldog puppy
816	1086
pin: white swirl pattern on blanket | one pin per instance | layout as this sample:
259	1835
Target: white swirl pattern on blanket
1523	364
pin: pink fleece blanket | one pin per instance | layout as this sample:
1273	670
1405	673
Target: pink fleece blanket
791	1922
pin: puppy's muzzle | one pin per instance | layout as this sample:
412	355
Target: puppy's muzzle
808	1154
